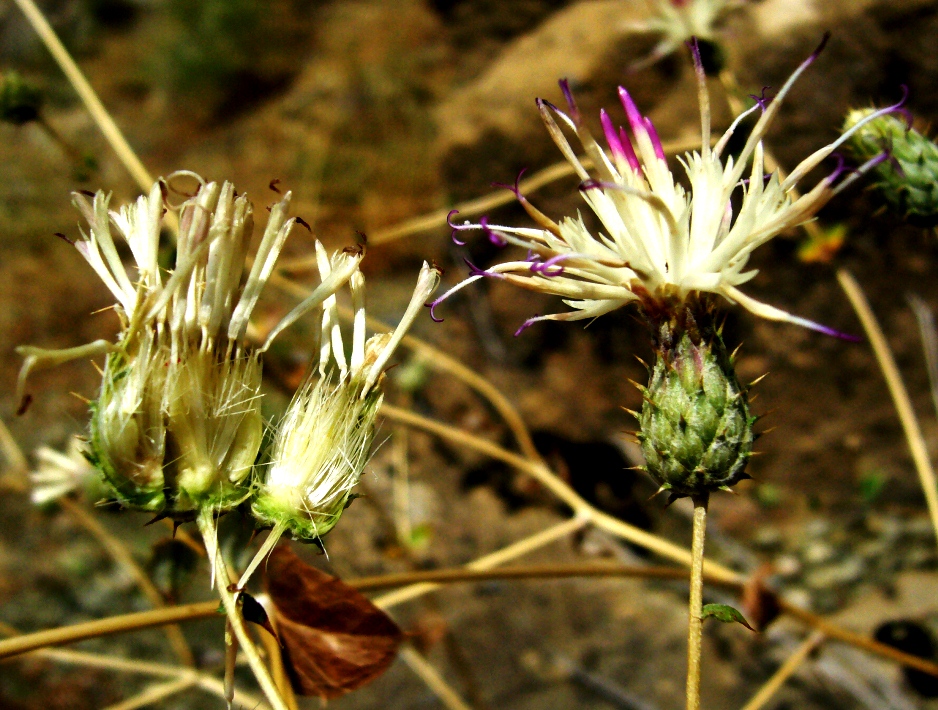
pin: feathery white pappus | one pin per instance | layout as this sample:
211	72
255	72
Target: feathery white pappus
324	441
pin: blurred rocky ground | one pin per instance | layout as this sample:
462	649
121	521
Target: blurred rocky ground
373	112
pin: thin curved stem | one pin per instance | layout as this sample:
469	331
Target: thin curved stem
785	671
898	391
122	556
40	640
560	489
433	680
442	362
695	606
15	477
513	551
87	94
154	693
206	523
478	205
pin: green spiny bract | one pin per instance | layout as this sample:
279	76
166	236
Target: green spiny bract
911	190
696	428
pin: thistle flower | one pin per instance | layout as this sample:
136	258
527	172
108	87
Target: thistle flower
324	440
908	181
177	425
662	245
671	251
679	21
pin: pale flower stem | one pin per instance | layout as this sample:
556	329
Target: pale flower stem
559	488
273	537
785	671
122	556
39	641
433	680
506	554
732	91
900	395
274	654
208	529
155	693
694	620
101	117
206	682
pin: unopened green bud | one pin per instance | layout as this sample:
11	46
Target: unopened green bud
908	181
20	101
696	429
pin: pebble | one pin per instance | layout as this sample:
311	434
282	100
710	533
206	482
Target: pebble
817	552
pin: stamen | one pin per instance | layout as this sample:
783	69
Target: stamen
761	101
432	305
632	112
629	150
838	171
571	102
703	97
656	141
817	52
543	268
533	212
514	189
862	170
476	271
616	142
493	236
527	324
456	227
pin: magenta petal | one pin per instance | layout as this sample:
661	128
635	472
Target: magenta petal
631	112
655	140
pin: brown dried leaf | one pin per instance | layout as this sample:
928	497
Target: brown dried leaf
759	602
252	611
334	639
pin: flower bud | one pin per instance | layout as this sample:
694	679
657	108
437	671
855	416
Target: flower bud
908	180
325	438
696	429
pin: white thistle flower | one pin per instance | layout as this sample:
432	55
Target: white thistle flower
178	422
661	245
679	21
324	440
58	474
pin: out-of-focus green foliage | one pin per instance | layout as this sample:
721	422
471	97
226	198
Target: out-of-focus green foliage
219	57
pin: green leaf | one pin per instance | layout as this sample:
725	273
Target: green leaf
724	613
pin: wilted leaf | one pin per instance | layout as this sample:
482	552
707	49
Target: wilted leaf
253	611
724	613
334	639
759	602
